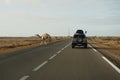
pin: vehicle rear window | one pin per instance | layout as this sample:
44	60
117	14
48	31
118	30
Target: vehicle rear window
79	31
79	36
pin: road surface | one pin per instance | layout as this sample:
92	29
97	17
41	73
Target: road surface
57	61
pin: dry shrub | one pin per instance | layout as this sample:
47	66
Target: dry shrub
106	41
17	42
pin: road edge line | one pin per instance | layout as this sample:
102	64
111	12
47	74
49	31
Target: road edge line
24	77
114	66
92	48
108	61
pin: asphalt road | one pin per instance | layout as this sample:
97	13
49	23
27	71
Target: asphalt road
57	61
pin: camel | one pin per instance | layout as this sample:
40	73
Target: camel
46	38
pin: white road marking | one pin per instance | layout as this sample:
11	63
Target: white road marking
68	45
62	49
115	67
58	52
89	45
45	62
65	47
52	56
93	48
41	65
24	77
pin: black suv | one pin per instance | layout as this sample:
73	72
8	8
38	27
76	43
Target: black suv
79	39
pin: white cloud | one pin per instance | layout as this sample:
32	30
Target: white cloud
32	3
95	3
35	3
89	2
63	0
3	1
33	14
7	1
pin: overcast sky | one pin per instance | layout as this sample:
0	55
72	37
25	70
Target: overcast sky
59	17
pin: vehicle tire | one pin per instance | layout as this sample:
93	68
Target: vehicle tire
73	46
85	46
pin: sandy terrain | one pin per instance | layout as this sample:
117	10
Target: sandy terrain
11	44
109	46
